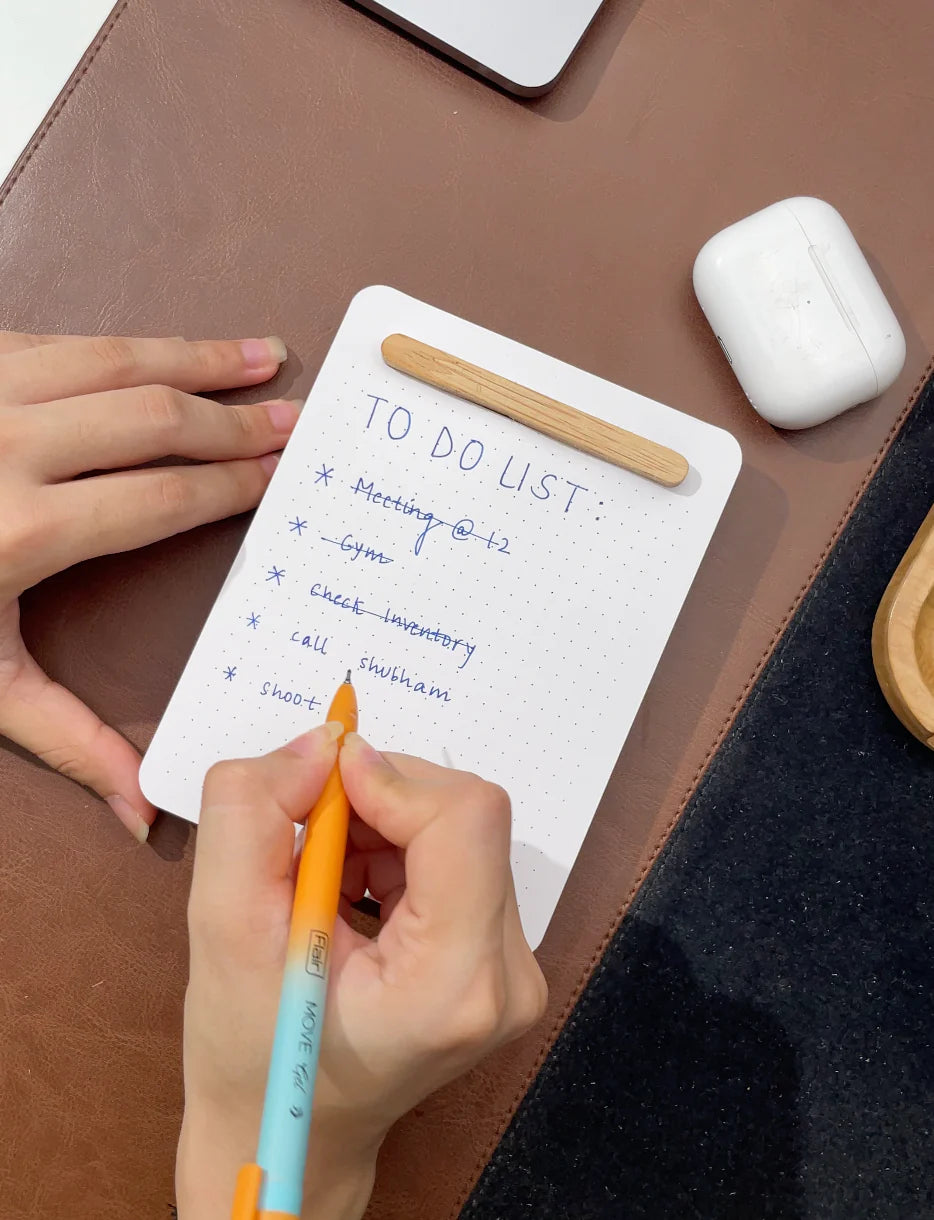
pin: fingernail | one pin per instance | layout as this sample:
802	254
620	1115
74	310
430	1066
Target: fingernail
261	353
310	743
129	817
283	415
270	462
361	751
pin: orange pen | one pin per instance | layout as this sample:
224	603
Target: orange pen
272	1188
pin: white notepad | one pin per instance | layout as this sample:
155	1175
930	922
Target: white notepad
502	600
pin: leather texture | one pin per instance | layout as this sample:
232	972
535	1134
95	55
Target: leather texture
231	169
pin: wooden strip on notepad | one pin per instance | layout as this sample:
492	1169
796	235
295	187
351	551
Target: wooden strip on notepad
555	419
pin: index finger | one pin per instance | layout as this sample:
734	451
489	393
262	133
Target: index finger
88	366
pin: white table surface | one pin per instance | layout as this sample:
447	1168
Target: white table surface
41	42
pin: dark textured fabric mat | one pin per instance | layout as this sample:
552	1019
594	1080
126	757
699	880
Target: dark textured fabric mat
757	1041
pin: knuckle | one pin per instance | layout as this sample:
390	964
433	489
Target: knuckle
247	422
530	1002
162	408
206	360
11	341
485	792
16	436
488	800
116	355
172	493
474	1021
74	758
245	484
234	778
229	773
23	534
66	759
496	799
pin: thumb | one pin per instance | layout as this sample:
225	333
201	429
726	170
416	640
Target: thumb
49	721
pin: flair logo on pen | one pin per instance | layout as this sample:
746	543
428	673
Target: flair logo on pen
316	962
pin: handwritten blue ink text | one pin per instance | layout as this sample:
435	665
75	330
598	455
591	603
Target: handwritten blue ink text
315	643
396	673
393	618
289	696
471	454
460	530
358	550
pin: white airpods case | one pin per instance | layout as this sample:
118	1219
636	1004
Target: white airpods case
799	313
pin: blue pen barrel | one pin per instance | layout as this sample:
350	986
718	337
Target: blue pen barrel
283	1138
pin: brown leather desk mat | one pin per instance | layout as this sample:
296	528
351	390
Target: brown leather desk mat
230	168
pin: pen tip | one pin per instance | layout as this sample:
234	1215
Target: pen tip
347	679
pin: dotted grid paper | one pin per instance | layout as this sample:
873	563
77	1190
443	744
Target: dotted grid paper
501	599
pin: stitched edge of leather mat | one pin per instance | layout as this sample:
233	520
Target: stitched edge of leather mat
61	101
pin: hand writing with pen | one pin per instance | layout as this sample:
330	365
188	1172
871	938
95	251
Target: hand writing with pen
449	978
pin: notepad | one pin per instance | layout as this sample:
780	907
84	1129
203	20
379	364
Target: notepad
501	599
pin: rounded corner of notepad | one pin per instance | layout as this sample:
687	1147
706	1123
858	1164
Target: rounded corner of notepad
728	465
535	934
729	458
154	792
373	294
149	789
736	451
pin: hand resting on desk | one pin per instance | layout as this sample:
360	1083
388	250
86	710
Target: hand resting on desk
69	406
449	978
